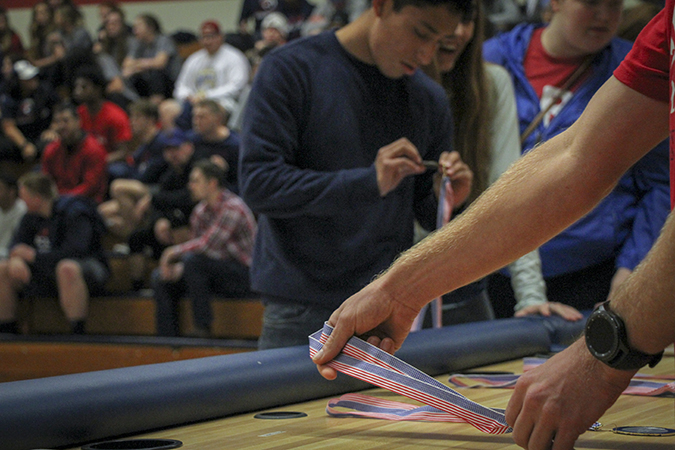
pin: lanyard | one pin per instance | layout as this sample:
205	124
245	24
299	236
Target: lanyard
366	362
446	202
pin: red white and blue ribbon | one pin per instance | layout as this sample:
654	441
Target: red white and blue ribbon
638	385
366	362
446	202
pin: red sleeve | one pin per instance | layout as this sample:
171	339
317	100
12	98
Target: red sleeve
95	175
646	67
122	125
85	119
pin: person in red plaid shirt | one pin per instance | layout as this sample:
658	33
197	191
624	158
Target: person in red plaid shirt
215	261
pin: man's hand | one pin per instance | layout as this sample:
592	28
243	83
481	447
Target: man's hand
385	320
167	269
23	251
162	230
59	51
556	402
461	176
142	207
18	270
49	135
396	161
546	309
29	152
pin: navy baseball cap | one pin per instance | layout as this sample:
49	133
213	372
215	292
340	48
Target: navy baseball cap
174	138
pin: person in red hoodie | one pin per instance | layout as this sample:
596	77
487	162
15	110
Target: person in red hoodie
76	160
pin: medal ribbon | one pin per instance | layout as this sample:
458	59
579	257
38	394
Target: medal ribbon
366	362
446	202
638	385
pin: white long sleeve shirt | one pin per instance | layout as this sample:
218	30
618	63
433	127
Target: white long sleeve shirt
9	220
526	278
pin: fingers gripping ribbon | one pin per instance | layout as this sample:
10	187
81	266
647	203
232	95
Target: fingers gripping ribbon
366	362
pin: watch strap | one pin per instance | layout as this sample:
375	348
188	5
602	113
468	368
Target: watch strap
625	357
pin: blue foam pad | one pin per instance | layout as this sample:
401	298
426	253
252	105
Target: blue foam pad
67	410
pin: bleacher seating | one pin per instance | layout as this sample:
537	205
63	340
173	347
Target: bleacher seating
135	315
121	311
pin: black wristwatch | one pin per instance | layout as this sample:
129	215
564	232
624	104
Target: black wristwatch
607	341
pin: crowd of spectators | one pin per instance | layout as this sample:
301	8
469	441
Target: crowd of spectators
130	119
120	118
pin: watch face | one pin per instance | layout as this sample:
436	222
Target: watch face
601	336
607	341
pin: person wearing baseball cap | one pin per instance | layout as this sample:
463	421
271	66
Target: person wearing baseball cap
25	71
218	71
274	31
26	114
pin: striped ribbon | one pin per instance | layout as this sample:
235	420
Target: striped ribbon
638	385
366	362
446	202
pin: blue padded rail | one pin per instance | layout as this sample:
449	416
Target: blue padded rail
72	409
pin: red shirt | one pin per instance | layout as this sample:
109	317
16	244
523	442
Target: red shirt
110	126
646	69
543	69
83	172
547	74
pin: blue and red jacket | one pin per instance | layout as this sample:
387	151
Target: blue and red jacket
628	221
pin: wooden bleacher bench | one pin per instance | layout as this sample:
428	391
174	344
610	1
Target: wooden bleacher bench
124	312
134	315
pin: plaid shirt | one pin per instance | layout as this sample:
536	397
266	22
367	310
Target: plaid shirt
224	232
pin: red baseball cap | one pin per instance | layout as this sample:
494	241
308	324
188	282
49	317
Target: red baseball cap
210	26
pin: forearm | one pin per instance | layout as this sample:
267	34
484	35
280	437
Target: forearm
117	155
645	300
13	133
128	64
510	219
158	62
230	86
539	196
283	190
46	61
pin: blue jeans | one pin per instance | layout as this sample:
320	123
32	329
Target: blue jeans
287	324
203	278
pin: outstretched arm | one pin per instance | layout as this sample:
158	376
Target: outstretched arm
537	197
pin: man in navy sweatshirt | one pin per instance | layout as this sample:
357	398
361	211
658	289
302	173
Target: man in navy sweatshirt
335	131
56	252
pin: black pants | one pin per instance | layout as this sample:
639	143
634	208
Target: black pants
203	278
152	82
466	304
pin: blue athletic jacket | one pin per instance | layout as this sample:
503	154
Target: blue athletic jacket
626	223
